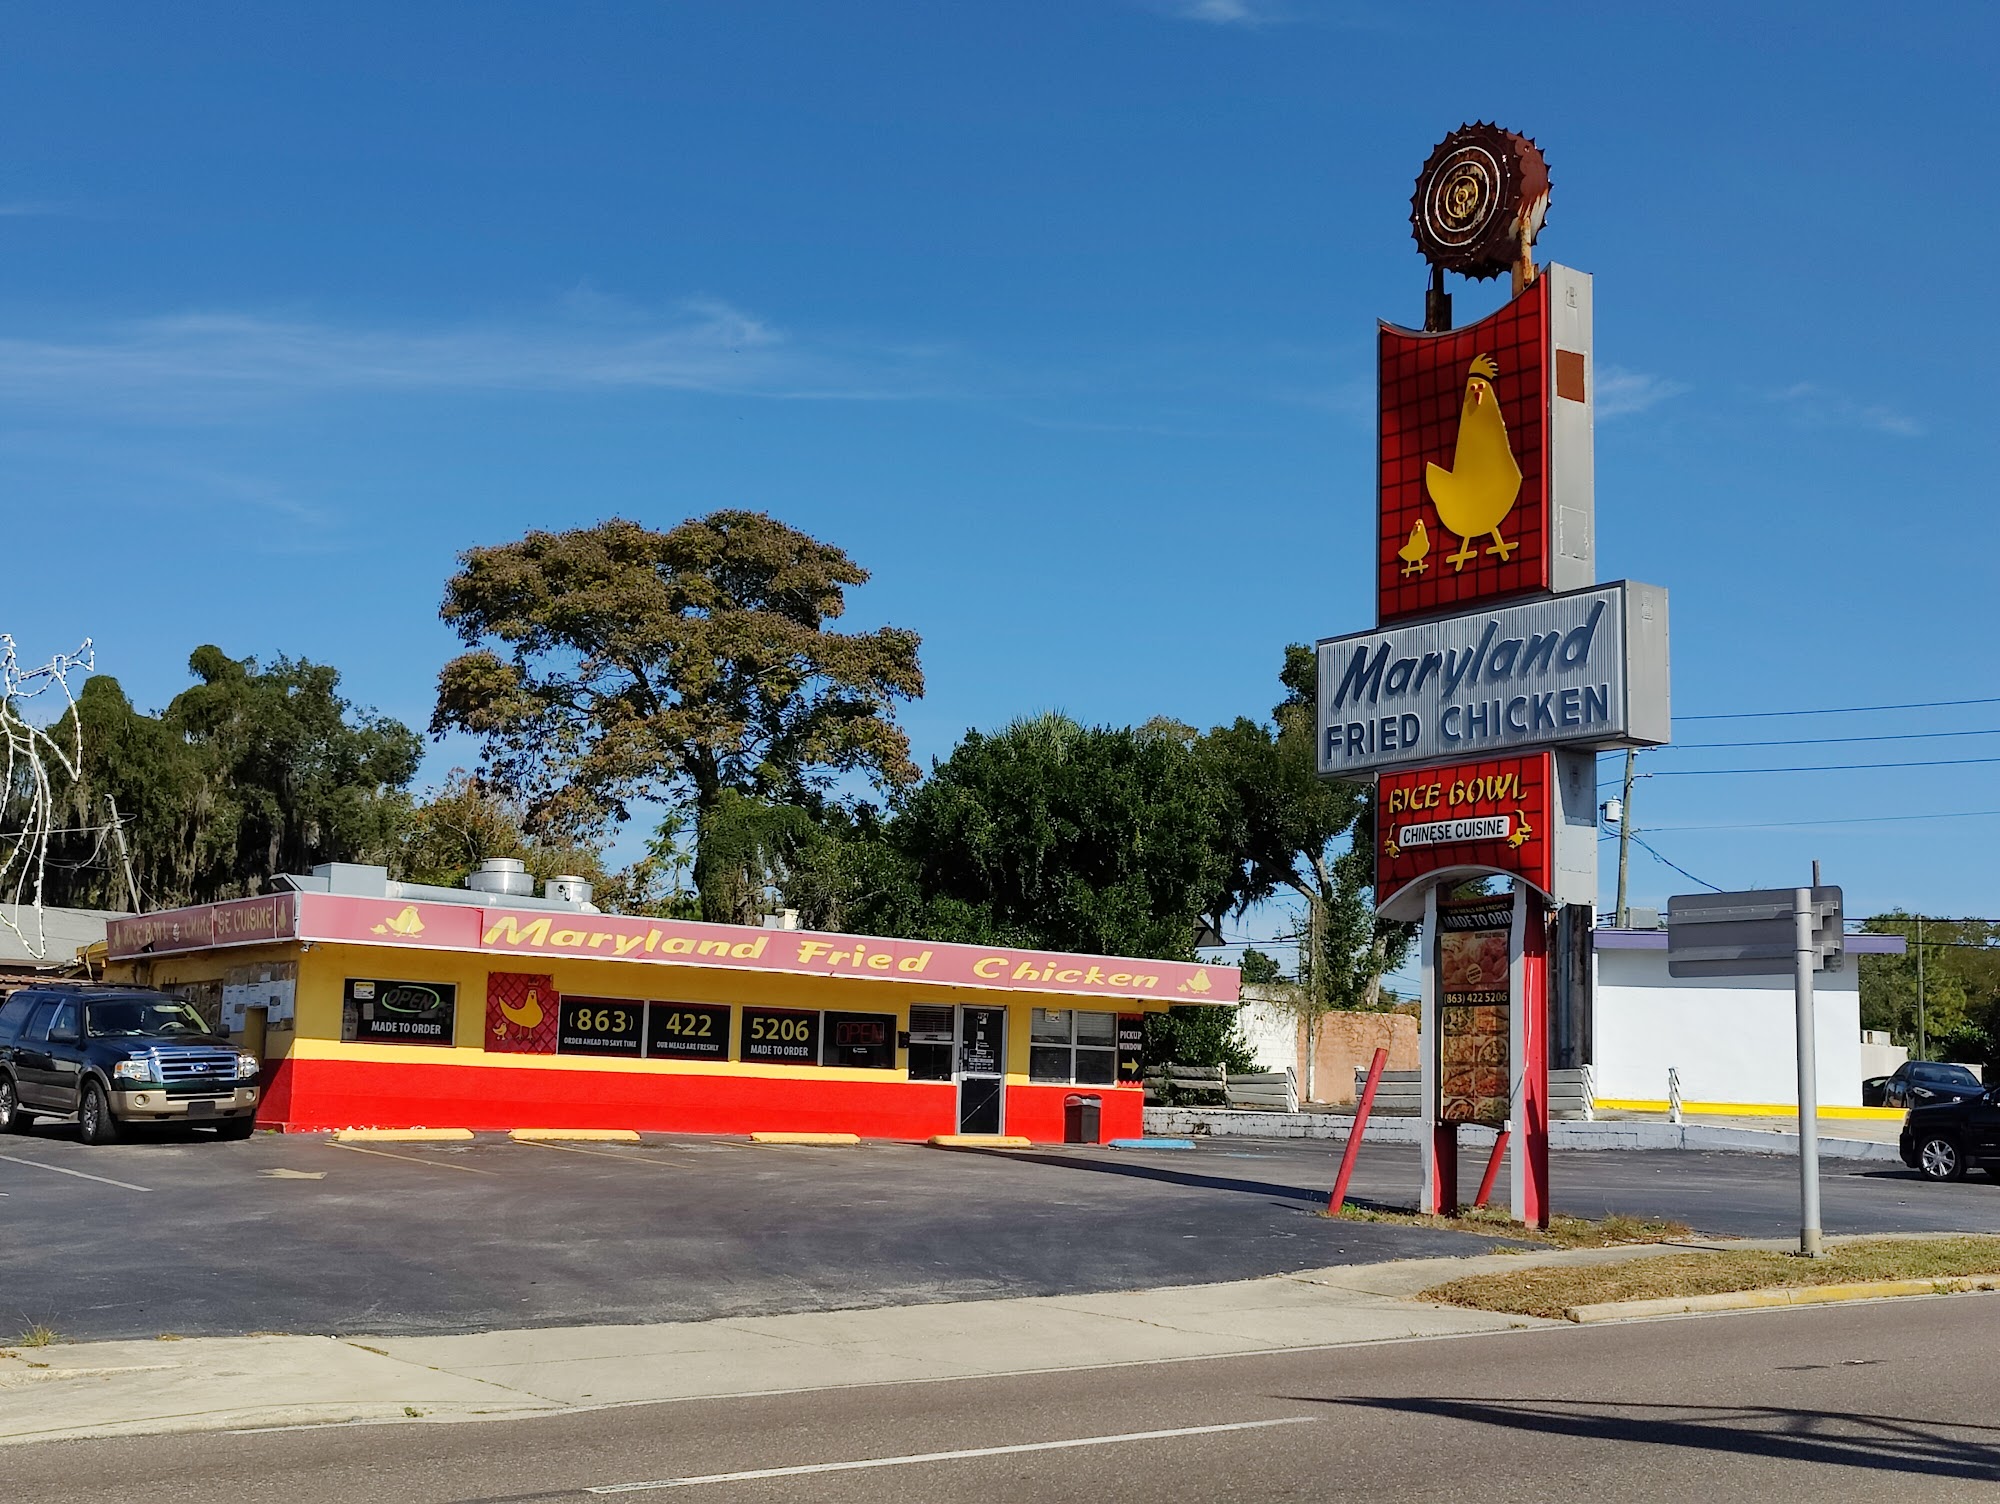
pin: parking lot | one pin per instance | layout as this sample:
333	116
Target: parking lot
191	1236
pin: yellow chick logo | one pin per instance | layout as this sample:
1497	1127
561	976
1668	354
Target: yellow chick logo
1412	553
405	924
1523	831
1475	495
528	1016
1199	982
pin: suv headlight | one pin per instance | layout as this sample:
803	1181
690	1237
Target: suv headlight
247	1065
140	1070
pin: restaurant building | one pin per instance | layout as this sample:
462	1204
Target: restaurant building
379	1004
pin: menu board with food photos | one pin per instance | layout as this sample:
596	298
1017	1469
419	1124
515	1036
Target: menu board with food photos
1475	938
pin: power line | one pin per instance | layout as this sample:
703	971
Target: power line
1754	715
1824	767
1641	843
1826	741
1962	814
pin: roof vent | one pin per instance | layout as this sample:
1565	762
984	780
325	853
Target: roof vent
566	889
502	874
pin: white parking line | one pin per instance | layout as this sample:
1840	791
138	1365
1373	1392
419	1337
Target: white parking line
435	1164
644	1159
79	1174
919	1457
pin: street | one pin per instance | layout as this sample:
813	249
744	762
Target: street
300	1234
1836	1403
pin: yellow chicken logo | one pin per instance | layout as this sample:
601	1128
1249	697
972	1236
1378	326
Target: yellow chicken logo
1412	553
1475	495
528	1016
1199	982
405	923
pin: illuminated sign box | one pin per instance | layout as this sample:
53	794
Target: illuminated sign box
1584	670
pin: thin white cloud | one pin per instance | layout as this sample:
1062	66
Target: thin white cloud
187	362
1221	12
1813	406
1621	392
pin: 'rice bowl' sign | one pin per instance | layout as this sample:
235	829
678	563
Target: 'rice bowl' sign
1587	669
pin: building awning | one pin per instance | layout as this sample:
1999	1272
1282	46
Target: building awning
542	933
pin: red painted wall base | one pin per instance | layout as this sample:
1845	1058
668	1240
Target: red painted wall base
308	1096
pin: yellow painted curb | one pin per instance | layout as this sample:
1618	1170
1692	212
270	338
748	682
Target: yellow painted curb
979	1141
401	1135
1786	1295
805	1138
585	1135
1748	1109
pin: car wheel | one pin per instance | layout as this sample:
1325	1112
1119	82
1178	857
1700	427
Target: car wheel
93	1116
1938	1158
236	1128
12	1118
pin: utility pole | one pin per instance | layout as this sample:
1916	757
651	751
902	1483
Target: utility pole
1923	1051
124	856
1624	917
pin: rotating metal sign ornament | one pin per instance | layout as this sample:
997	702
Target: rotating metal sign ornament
1479	203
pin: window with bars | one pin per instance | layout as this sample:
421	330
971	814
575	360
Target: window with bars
1068	1046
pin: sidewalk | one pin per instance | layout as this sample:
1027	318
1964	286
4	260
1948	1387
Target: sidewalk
131	1388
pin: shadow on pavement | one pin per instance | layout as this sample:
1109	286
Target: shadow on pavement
1881	1443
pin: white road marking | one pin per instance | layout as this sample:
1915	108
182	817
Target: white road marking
79	1174
599	1153
919	1457
435	1164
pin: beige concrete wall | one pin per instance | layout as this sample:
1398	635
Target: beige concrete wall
1348	1041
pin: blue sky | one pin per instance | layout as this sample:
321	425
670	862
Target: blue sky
1058	316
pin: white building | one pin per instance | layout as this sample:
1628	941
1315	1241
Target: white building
1731	1040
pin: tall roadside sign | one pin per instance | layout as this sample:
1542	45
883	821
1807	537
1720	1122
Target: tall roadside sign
1498	667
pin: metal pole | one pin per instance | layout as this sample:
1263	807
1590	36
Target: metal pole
118	831
1624	918
1361	1109
1803	960
1923	1053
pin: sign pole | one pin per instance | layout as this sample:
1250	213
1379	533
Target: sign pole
1804	960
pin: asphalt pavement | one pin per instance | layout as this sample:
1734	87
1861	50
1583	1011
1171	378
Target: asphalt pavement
193	1237
1855	1402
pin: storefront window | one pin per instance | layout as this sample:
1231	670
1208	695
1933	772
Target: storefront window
865	1040
1068	1046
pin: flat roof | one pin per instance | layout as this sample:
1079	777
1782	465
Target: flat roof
1855	945
572	934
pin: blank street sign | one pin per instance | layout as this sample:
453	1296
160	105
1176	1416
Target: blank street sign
1748	934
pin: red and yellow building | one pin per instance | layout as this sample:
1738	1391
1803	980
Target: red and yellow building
389	1012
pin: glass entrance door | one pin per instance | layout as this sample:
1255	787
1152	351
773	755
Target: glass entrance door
982	1068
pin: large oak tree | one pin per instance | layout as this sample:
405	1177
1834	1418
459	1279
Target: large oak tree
616	663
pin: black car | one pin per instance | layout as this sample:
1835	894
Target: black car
110	1056
1918	1082
1940	1140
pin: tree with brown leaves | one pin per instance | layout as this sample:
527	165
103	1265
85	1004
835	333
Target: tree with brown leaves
616	663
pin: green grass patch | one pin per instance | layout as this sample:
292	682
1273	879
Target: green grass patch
37	1336
1552	1291
1563	1232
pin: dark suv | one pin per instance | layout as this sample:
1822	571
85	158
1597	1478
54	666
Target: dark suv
109	1056
1941	1139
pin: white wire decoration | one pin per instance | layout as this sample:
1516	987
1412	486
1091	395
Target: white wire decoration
34	753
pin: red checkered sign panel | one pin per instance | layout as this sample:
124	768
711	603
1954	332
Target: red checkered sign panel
1464	513
1496	813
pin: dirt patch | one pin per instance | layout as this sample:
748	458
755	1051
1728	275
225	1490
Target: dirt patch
1551	1291
1562	1232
